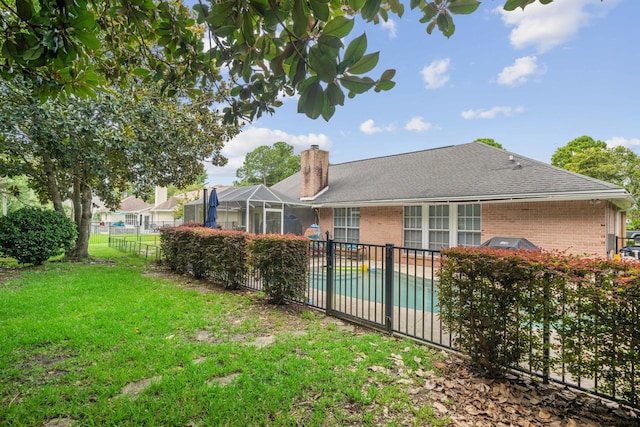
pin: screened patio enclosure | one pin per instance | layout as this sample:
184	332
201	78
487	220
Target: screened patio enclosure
256	209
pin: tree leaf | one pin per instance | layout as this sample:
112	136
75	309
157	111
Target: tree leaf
357	85
324	65
365	64
24	9
311	101
85	21
335	96
357	47
463	7
511	5
385	85
320	9
356	4
219	13
327	111
370	9
88	39
388	74
445	24
300	18
339	26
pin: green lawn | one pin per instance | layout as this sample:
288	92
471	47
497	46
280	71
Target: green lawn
76	338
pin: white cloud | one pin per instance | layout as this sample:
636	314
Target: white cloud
435	74
547	26
252	138
390	26
369	127
519	72
418	124
625	142
492	113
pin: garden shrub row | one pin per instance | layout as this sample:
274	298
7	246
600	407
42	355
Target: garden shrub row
546	310
227	257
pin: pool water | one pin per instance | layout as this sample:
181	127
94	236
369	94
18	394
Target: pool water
409	291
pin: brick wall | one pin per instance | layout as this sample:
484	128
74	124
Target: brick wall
575	226
381	225
325	221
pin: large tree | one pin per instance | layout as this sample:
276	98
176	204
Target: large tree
268	165
617	165
491	142
128	139
267	47
565	154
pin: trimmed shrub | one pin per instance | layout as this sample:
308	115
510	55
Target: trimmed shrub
206	253
544	309
32	235
282	263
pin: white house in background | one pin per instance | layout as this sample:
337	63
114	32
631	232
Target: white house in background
136	212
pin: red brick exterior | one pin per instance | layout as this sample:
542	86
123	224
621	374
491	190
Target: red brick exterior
578	227
381	225
314	171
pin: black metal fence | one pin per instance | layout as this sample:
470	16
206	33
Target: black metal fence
102	231
137	247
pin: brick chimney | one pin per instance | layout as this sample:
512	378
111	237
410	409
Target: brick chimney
314	172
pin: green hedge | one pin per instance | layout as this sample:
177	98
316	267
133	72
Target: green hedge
206	253
225	256
282	262
540	309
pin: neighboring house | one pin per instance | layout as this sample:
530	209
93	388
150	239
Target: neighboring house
136	212
459	195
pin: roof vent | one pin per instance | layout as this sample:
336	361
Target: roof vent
511	157
315	147
517	166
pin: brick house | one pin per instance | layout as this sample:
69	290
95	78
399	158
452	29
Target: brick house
459	195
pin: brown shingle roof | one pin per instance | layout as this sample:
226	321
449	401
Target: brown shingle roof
133	204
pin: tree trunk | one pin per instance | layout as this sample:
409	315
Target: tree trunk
82	212
52	183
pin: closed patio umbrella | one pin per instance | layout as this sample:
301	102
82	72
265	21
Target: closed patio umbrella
212	214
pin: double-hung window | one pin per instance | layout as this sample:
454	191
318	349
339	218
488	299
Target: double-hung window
346	225
438	227
469	225
412	227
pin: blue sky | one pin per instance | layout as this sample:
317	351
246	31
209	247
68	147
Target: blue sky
531	80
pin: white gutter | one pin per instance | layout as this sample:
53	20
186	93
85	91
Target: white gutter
621	199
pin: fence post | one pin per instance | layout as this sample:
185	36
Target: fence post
546	335
388	286
329	248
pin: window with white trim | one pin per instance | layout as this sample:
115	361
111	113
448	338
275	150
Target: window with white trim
131	219
412	227
438	227
469	225
346	225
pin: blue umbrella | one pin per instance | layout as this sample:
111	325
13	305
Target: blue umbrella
213	212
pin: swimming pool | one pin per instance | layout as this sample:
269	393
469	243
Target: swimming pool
409	291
